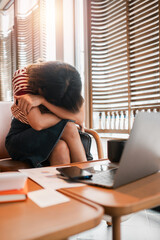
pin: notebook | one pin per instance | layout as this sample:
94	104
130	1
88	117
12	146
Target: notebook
140	157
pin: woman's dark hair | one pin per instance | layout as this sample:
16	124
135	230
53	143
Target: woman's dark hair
59	83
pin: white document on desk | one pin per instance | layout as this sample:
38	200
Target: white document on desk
47	197
47	178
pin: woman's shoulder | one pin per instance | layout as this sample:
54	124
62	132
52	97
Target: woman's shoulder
20	71
20	82
20	76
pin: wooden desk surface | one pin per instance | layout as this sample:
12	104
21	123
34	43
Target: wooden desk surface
25	220
141	194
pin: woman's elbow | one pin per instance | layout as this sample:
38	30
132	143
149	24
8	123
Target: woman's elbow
36	126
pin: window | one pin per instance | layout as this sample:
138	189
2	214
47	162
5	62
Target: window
6	53
34	29
19	41
124	73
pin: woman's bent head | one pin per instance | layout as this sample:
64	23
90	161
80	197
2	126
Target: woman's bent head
58	82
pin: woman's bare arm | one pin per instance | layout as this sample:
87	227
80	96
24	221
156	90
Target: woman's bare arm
78	117
28	101
40	121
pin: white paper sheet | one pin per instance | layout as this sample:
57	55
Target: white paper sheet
47	178
47	197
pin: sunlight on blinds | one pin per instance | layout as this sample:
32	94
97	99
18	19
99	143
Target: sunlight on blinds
6	51
36	32
124	69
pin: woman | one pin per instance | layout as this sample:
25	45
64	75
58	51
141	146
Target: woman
48	105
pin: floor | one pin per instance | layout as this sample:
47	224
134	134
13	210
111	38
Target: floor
144	225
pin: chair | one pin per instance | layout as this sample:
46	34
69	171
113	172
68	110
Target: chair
6	163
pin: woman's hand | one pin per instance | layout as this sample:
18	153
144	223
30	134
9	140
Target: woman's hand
27	101
81	127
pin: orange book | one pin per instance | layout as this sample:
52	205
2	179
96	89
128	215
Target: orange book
14	194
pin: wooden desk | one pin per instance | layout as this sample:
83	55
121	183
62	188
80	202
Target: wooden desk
25	220
130	198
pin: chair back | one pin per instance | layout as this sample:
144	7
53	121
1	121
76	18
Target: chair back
5	122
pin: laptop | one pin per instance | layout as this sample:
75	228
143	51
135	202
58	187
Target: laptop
140	157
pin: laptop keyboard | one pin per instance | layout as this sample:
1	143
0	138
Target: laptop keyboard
104	179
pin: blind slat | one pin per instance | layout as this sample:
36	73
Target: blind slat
125	64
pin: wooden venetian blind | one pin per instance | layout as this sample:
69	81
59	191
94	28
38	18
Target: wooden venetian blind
144	54
21	45
28	37
24	41
31	35
124	61
36	34
5	66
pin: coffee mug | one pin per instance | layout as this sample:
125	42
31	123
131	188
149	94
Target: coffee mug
115	149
